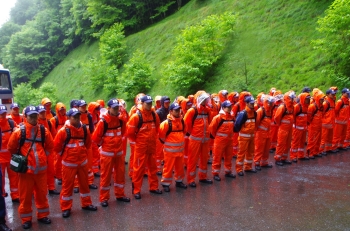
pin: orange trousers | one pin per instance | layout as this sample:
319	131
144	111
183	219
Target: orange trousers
95	158
347	138
159	154
245	154
171	163
145	155
90	171
339	135
235	145
197	150
283	142
273	134
326	139
109	164
298	143
314	140
29	183
51	172
13	179
68	176
58	165
222	149
186	151
262	148
131	158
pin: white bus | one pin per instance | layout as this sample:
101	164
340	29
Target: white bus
6	90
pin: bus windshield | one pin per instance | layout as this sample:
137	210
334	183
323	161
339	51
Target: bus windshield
5	82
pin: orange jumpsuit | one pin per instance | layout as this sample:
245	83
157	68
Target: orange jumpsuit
92	109
340	122
173	150
50	158
74	163
17	118
198	142
284	118
84	119
347	138
5	158
223	141
262	135
297	150
111	155
274	127
145	148
125	117
55	127
246	142
327	125
184	109
34	180
315	113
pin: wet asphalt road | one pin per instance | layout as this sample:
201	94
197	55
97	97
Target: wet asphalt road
308	195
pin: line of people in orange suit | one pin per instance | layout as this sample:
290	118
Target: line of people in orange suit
188	133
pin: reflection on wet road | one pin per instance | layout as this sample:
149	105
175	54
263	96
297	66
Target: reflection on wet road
308	195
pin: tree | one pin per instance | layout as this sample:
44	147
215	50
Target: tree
335	43
137	75
198	49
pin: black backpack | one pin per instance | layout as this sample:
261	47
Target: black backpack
69	137
23	135
141	119
105	125
170	129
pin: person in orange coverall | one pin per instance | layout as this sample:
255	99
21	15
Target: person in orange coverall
94	110
46	102
245	127
142	129
108	135
262	134
74	161
328	122
132	111
315	114
301	119
124	115
341	120
34	180
173	138
284	117
221	128
7	126
239	106
14	113
57	123
274	127
197	121
50	158
185	106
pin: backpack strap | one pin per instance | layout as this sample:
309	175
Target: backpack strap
105	125
11	124
195	115
141	119
56	121
67	139
23	136
49	124
42	132
91	124
170	129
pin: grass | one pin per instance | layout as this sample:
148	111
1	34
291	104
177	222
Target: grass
271	48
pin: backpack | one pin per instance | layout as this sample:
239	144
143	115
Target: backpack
195	115
141	119
105	125
12	125
221	122
241	119
69	137
23	135
264	114
170	129
313	114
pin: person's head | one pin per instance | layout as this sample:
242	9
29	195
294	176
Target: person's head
74	117
330	93
226	106
74	103
46	102
203	99
42	111
345	92
62	111
249	100
165	101
174	110
3	111
146	102
82	106
31	113
306	90
113	107
158	103
14	109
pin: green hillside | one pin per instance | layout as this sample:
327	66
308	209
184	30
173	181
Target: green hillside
271	47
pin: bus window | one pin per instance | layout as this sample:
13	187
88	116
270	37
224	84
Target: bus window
4	82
